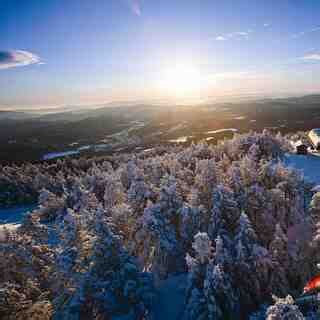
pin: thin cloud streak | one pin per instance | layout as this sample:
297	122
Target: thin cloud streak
17	58
234	35
312	57
303	33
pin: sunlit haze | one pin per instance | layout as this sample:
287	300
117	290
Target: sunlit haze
76	52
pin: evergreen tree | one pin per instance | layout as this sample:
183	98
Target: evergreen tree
284	309
225	213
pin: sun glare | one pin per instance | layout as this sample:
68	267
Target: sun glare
181	80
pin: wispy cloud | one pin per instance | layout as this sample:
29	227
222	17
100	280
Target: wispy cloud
231	75
221	38
311	57
135	7
17	58
303	33
234	35
240	33
266	25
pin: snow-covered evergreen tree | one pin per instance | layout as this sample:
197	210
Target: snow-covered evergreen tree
113	193
25	280
284	309
205	181
162	220
225	213
230	214
281	262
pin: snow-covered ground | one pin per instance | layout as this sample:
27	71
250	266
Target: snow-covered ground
14	215
308	165
169	302
222	130
53	155
180	139
10	219
240	118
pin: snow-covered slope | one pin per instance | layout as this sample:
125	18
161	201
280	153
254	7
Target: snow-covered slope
169	302
14	215
10	219
309	165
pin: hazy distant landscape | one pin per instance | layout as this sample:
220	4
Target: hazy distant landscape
29	137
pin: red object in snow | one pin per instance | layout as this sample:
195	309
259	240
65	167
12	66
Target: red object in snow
312	284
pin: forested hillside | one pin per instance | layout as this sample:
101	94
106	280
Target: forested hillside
109	231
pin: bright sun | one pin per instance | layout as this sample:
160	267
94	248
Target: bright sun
181	80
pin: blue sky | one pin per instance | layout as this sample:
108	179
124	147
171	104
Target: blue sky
55	53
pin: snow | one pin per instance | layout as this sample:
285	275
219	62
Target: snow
148	150
170	298
7	227
296	143
309	165
10	219
53	155
14	215
316	188
128	316
84	148
180	139
314	136
222	130
297	233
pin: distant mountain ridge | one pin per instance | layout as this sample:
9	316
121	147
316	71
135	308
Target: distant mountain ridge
73	113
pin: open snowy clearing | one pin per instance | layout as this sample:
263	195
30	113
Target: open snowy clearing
308	165
14	215
10	219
